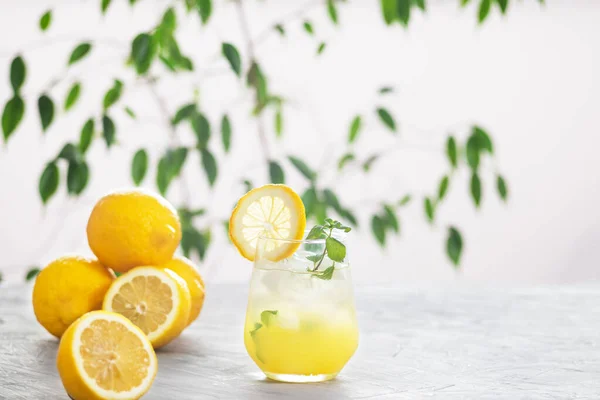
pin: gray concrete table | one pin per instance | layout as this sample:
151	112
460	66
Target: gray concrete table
447	344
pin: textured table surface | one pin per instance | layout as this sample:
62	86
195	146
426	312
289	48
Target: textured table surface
447	344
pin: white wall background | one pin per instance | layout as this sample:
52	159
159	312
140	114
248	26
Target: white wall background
531	78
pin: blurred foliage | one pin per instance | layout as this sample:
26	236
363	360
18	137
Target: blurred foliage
156	52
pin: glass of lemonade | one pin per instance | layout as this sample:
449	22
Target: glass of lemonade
300	321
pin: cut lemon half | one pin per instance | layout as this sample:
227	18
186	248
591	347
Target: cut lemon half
155	300
271	211
103	355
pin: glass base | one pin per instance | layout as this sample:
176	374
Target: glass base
291	378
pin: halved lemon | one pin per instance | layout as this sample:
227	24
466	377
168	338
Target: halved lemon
103	355
154	299
272	211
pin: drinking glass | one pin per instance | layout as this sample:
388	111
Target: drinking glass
300	321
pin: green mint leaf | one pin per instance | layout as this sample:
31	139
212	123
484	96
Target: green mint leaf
314	258
335	249
325	275
257	326
266	317
316	233
346	158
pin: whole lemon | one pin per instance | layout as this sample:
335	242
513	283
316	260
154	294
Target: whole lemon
186	269
68	288
131	228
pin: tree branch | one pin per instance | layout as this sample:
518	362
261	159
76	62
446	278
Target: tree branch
251	53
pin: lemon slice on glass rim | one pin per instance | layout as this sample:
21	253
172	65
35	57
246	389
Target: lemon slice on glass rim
271	211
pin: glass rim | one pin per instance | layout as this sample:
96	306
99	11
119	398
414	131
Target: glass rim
263	236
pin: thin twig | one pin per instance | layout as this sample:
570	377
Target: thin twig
298	13
251	53
45	42
162	104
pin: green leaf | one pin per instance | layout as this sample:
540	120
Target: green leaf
72	96
321	47
204	9
130	112
77	177
248	184
378	228
502	188
193	240
308	27
169	22
46	110
143	50
108	130
454	245
18	72
303	168
226	133
139	166
104	6
86	136
483	139
332	200
316	232
32	273
320	212
429	209
463	3
403	10
473	152
386	118
503	4
169	167
325	275
484	10
355	126
257	326
279	28
210	166
12	116
278	122
386	90
233	56
389	11
315	258
201	128
276	174
256	79
345	159
443	187
48	181
332	11
451	151
46	20
369	162
405	200
391	219
266	317
335	249
79	52
420	4
476	189
185	112
309	198
70	153
113	94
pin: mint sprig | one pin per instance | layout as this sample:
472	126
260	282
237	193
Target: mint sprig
335	249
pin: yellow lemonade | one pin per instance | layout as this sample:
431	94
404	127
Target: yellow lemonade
299	327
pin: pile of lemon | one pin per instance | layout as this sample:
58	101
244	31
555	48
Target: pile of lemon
109	327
